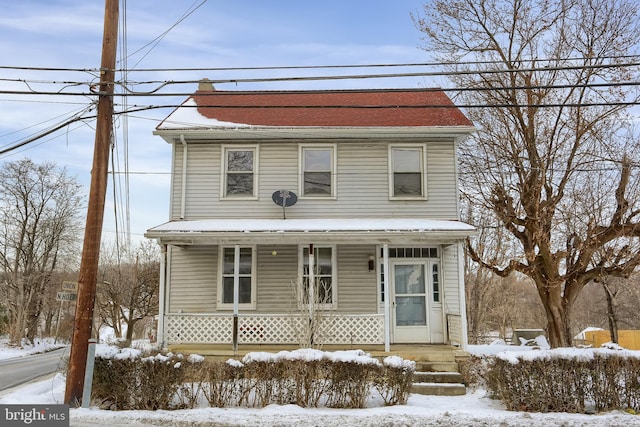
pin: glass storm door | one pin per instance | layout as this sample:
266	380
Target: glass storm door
417	307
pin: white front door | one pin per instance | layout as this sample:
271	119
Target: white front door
417	307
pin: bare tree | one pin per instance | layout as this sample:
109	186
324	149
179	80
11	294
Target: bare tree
128	286
552	159
610	303
39	228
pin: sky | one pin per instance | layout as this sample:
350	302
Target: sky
160	34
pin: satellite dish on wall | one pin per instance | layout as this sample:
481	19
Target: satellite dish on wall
284	198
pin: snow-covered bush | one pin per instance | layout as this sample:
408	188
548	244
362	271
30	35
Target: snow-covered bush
125	378
128	379
395	380
473	370
566	380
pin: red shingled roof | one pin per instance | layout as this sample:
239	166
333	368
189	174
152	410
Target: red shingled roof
334	108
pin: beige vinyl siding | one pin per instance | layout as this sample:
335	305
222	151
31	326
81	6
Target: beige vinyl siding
362	181
442	188
451	288
176	181
193	279
277	275
356	284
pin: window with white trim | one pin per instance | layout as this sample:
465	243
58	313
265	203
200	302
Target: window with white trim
435	281
317	171
245	274
240	172
324	274
407	172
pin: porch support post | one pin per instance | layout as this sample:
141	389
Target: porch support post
236	294
163	296
387	296
312	292
462	297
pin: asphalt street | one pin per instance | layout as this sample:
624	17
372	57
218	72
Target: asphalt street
21	370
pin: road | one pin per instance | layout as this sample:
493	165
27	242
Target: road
20	370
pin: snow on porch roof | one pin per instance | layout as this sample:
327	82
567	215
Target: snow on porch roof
329	228
212	108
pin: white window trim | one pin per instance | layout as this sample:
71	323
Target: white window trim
223	171
334	165
254	265
423	167
334	277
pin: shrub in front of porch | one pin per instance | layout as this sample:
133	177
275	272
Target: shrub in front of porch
126	379
306	377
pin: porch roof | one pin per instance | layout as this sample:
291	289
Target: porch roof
336	230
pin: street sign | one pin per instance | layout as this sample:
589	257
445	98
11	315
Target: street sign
66	296
70	286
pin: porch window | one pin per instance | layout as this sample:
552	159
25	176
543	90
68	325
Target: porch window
407	172
239	175
245	274
324	275
317	170
435	277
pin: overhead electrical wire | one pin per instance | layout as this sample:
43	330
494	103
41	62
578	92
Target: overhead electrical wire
153	43
76	118
126	92
295	67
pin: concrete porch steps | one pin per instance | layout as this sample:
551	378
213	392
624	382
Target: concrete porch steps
439	378
438	384
439	389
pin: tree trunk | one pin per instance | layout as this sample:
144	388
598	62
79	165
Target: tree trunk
557	310
130	324
611	313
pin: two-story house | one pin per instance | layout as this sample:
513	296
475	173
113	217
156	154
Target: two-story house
290	205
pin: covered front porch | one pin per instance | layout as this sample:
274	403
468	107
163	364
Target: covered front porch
391	281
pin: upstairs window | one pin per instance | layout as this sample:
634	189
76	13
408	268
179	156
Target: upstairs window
317	165
407	172
240	164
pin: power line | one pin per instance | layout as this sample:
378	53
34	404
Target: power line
163	83
329	66
126	109
49	131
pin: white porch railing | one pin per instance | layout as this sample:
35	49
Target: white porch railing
454	327
272	328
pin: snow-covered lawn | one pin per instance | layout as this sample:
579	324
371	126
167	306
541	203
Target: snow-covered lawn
473	409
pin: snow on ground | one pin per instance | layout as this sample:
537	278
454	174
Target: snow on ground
473	409
40	345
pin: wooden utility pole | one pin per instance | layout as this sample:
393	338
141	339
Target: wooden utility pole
95	211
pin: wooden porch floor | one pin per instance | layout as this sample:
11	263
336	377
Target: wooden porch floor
417	352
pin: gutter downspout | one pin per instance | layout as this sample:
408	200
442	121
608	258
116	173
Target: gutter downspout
185	152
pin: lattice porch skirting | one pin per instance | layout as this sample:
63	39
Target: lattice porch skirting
272	329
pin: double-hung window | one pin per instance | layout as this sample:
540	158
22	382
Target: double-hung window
407	171
317	170
323	270
244	274
240	172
